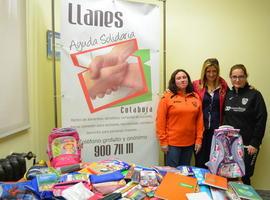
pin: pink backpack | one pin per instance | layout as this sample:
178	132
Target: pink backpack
64	147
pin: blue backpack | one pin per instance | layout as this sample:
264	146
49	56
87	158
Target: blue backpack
227	152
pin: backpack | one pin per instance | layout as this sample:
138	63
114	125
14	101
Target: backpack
64	147
227	152
13	167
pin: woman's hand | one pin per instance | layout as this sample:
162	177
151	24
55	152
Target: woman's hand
165	149
197	148
251	150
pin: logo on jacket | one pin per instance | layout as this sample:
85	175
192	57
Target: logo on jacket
244	101
195	104
228	108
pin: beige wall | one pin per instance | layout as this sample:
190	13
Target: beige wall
232	31
40	85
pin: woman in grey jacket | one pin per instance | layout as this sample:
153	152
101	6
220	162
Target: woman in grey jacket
245	110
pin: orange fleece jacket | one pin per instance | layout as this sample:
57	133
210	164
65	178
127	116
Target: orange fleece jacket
179	120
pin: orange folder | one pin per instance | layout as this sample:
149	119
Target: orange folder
175	186
216	181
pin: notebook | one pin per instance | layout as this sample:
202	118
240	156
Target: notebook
205	188
105	166
198	196
175	186
216	181
231	194
245	191
218	194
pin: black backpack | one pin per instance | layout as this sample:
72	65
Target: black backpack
13	167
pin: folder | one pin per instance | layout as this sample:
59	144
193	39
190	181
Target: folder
174	186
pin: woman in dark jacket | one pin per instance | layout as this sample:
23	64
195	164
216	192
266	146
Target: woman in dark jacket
211	89
245	110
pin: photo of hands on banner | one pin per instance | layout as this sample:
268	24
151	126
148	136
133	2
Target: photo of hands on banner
113	74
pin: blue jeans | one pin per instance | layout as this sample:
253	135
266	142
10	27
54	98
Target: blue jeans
177	156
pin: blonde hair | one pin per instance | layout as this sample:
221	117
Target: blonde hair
210	62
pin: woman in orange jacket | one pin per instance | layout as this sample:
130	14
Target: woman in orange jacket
179	122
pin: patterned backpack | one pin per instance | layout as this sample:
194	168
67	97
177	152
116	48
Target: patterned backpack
227	151
64	147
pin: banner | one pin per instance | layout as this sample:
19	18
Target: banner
110	77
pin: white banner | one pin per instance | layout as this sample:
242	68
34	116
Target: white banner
110	77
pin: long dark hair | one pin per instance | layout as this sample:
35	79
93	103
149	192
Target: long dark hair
172	86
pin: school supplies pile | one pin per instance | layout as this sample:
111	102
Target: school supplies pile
143	183
67	177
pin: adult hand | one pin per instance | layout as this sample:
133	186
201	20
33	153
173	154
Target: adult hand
197	148
165	149
251	150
